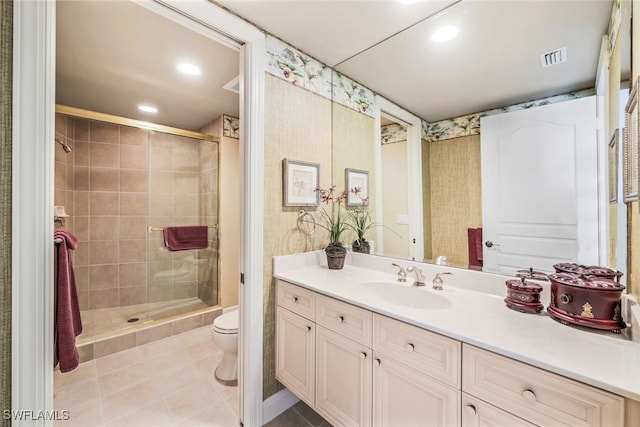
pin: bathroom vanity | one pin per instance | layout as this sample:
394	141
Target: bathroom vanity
362	348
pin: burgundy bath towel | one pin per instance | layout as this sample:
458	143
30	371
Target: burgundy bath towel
186	237
67	323
474	240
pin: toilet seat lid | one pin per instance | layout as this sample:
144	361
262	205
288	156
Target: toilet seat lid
227	323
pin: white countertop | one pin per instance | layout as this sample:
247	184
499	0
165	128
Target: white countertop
598	358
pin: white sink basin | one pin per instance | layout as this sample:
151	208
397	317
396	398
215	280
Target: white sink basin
406	296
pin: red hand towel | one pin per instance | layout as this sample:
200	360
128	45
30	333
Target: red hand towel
186	237
474	242
67	323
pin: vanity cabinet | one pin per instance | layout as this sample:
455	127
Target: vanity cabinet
535	395
356	367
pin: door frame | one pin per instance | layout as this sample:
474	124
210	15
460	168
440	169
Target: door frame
414	172
32	199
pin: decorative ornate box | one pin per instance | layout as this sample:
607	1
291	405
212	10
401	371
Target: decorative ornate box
591	270
589	301
523	296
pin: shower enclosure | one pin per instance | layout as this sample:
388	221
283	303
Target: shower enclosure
121	185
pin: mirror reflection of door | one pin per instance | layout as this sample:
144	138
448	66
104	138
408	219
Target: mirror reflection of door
395	211
540	187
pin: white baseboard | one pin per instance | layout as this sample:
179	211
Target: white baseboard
276	404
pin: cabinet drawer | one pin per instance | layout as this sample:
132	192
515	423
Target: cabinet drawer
345	319
476	413
424	351
536	395
299	300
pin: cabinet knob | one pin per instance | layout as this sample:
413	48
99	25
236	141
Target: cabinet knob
308	328
363	355
295	299
341	319
471	410
529	396
379	361
410	347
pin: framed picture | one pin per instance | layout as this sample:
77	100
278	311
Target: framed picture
613	167
299	182
630	151
356	179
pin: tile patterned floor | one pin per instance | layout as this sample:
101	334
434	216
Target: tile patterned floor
168	382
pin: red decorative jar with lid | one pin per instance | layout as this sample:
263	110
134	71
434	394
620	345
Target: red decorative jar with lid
523	296
588	270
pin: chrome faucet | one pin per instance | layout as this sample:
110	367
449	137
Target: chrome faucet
402	274
419	276
437	281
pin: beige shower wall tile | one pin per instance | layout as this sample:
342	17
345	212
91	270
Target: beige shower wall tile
104	155
160	158
161	205
104	132
103	252
80	203
185	205
133	136
155	333
133	275
133	157
103	277
133	227
161	182
185	158
81	227
114	345
133	204
161	139
133	181
103	203
186	182
60	182
81	254
133	295
81	178
104	179
133	251
81	153
103	228
80	129
81	273
103	298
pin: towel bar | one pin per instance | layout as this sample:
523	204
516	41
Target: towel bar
57	240
152	229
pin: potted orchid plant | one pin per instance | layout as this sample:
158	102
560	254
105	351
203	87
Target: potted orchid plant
335	223
360	222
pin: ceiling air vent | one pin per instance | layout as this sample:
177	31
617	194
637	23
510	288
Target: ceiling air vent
554	57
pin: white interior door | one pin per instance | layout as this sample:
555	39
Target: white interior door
540	187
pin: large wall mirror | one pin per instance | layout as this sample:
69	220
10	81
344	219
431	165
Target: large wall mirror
430	199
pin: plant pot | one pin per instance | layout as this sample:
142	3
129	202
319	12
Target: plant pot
335	260
361	246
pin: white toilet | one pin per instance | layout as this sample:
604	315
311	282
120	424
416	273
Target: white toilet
224	333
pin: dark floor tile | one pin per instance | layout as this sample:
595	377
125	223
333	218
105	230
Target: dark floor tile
310	415
289	418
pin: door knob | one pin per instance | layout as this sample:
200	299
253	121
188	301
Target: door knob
490	244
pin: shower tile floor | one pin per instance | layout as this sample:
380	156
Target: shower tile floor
106	320
168	382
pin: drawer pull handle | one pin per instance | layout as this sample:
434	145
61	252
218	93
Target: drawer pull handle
295	299
341	319
471	410
308	328
529	396
363	355
410	347
379	362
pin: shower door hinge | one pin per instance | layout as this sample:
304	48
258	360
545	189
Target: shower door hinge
242	278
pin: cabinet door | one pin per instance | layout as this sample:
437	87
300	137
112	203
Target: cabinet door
343	383
476	413
295	354
405	397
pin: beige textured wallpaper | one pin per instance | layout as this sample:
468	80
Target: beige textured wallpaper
633	232
297	127
426	199
353	148
456	198
6	52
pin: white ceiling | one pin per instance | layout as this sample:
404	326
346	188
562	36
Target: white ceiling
113	55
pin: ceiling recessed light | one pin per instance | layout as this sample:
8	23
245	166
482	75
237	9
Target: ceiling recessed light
445	33
189	69
147	109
